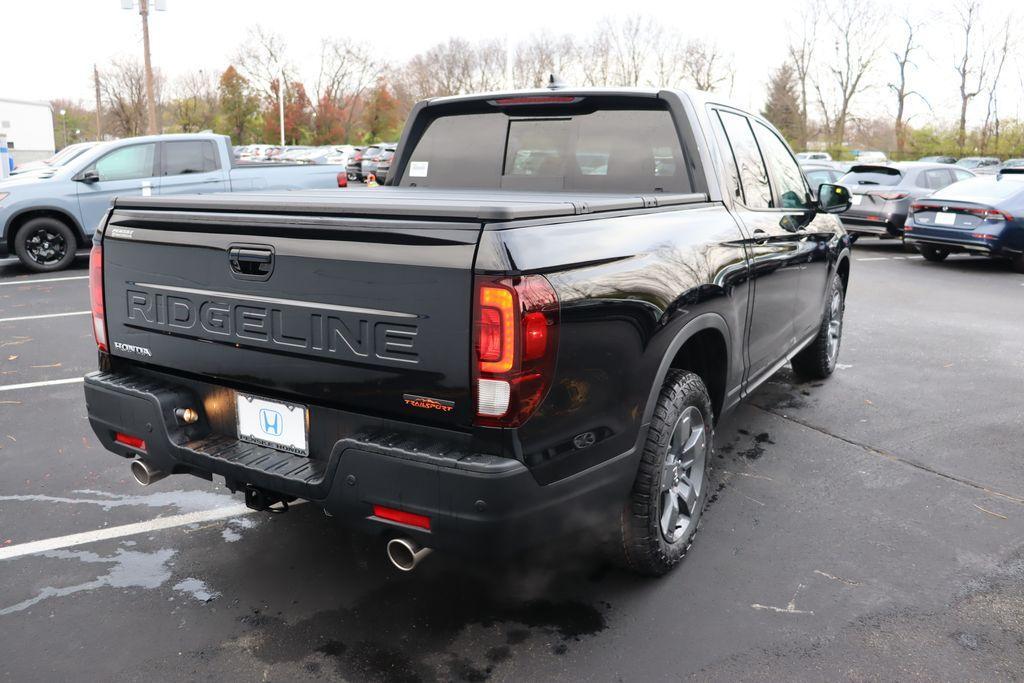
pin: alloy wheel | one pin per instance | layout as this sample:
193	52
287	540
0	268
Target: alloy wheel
682	478
46	247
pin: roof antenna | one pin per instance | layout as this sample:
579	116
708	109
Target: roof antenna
556	83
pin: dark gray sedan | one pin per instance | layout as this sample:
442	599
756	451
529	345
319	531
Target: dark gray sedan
881	195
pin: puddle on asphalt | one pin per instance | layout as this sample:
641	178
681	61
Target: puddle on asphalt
128	569
184	501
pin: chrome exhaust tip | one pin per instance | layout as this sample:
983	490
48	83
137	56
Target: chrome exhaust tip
146	474
406	554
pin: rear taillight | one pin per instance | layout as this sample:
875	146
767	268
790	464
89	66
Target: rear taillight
99	322
343	179
889	196
515	347
990	214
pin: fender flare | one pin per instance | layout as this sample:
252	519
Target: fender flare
8	237
705	321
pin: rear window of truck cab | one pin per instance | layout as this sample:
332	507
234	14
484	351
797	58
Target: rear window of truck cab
550	148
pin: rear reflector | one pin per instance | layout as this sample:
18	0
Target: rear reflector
130	441
402	517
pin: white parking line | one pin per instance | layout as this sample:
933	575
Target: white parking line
40	317
46	545
47	383
875	258
46	279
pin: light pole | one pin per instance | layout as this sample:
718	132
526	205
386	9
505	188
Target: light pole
280	102
64	125
150	99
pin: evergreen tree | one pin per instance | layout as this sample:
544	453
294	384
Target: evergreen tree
783	105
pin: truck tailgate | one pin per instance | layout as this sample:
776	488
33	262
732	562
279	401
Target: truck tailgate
357	313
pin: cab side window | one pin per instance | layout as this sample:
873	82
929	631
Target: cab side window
790	190
757	193
127	163
190	156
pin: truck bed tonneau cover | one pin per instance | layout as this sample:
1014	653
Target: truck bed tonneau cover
477	205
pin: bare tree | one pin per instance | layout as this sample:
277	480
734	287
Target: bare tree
669	57
123	87
971	63
595	56
261	60
539	56
705	65
999	54
801	52
346	74
629	48
194	103
903	58
454	68
488	66
853	33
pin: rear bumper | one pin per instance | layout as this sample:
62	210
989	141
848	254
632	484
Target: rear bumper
892	225
477	503
963	240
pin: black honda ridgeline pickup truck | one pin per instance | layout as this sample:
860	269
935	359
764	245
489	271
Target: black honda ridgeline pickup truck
530	330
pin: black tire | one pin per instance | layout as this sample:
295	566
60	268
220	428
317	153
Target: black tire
1017	263
45	244
663	476
933	254
818	359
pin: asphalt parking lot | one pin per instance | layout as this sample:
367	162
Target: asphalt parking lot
871	526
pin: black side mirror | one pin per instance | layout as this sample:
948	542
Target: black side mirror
833	198
90	176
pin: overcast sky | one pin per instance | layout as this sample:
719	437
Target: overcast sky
57	41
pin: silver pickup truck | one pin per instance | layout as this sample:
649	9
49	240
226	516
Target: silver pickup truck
46	215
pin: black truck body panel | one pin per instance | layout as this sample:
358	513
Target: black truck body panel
369	299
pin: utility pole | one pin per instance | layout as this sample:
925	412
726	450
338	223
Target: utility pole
64	124
144	6
150	100
99	103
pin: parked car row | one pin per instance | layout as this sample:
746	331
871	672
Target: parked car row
936	207
375	159
981	215
295	154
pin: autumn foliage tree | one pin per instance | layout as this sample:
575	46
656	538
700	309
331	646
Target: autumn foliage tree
381	117
239	106
297	116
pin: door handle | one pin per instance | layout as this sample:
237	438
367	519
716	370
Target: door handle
251	263
760	236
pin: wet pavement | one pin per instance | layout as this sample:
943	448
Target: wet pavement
867	527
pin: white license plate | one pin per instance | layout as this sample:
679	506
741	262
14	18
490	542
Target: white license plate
273	424
855	199
945	219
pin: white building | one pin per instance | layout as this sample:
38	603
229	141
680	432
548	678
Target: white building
29	129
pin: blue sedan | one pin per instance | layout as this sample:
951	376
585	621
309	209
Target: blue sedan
983	215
